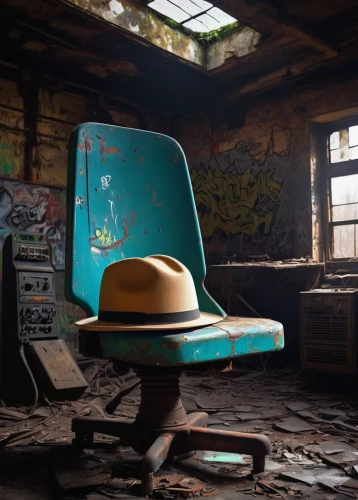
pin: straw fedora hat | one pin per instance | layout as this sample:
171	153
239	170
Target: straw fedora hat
155	293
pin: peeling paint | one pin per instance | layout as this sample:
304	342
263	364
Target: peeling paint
105	150
116	7
172	345
234	46
86	145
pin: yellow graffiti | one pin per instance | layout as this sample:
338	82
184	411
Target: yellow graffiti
232	202
9	162
106	237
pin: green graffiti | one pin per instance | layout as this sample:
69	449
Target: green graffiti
9	163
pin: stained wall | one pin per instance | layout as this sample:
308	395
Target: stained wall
251	170
37	116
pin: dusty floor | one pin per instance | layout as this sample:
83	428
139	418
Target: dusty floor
314	436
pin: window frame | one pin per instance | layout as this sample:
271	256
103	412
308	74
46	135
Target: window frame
328	171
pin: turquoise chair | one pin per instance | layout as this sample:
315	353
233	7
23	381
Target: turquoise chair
129	195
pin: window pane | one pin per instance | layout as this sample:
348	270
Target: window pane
221	16
353	136
345	212
353	153
339	146
188	6
202	4
197	26
338	155
345	241
209	21
169	10
334	141
344	189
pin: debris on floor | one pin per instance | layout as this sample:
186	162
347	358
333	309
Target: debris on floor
314	438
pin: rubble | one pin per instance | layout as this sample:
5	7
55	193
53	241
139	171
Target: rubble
314	440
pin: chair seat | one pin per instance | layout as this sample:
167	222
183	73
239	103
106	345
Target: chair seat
231	338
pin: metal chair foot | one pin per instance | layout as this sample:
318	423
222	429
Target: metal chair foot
83	440
178	458
258	464
147	483
256	445
154	458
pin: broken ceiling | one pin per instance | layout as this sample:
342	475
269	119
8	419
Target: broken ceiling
116	45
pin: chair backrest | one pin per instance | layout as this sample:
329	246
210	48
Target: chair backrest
128	195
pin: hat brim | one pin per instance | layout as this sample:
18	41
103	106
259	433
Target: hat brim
93	324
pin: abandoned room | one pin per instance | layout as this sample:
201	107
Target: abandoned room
179	257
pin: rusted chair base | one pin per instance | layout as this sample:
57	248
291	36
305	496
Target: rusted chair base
162	430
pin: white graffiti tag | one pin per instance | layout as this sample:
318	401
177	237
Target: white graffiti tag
105	181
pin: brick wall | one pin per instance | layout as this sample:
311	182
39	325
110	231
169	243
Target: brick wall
251	169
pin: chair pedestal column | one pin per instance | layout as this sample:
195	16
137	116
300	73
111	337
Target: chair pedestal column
162	430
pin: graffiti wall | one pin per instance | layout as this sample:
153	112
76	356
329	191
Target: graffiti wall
244	198
39	209
11	151
36	209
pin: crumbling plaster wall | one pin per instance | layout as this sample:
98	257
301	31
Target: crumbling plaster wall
251	170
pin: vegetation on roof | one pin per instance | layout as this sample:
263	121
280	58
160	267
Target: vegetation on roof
210	37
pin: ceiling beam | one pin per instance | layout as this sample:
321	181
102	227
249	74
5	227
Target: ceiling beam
265	18
279	81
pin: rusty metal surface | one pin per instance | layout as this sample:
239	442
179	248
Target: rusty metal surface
167	443
229	339
161	429
53	361
160	406
225	441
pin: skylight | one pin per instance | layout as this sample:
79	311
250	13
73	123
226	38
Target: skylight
198	16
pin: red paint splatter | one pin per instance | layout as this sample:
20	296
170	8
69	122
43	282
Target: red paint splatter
115	151
104	150
86	146
132	219
116	244
101	146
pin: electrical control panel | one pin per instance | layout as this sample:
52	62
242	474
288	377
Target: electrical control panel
36	304
31	282
31	354
30	253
